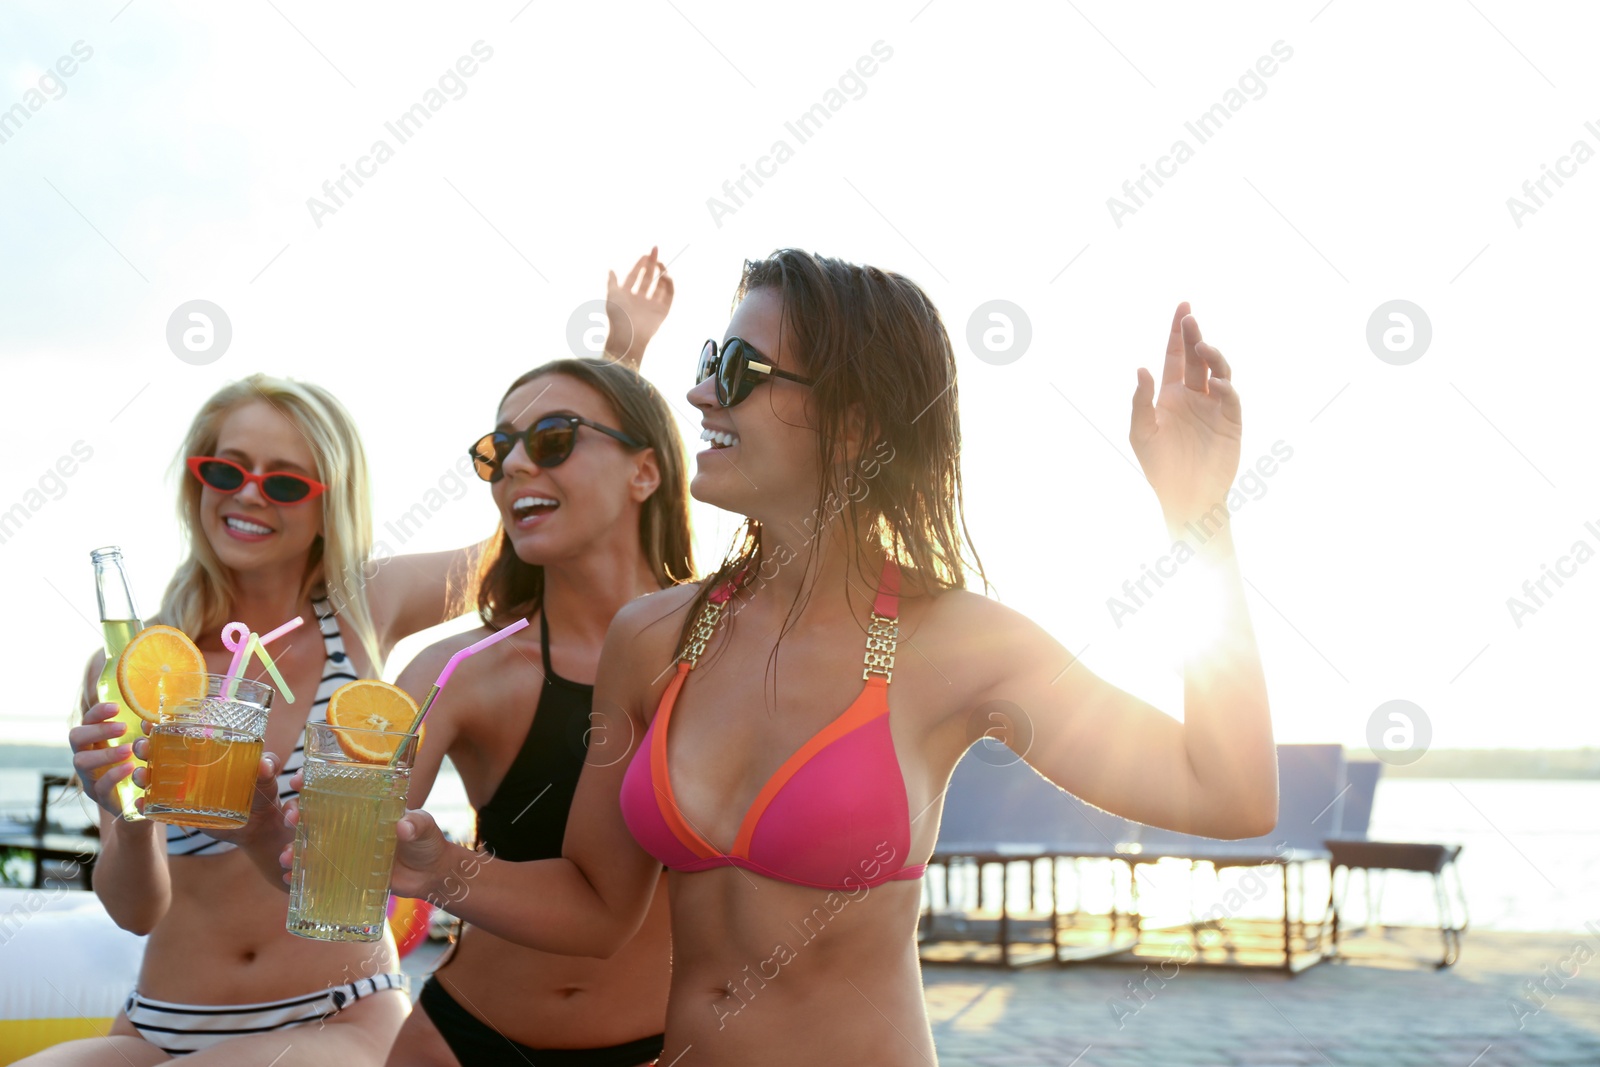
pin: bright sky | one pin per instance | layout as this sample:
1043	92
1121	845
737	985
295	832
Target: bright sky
1359	154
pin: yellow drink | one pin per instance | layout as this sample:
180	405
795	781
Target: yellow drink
205	751
344	845
201	775
118	632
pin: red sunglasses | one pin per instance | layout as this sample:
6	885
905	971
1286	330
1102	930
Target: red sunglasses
280	487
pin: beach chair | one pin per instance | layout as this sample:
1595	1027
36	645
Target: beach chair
999	812
46	845
1311	796
1350	850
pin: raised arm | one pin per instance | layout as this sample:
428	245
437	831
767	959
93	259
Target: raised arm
130	877
635	309
593	900
1215	772
413	592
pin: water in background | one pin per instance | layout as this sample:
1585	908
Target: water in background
1531	859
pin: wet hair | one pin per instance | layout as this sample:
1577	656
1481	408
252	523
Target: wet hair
509	588
877	352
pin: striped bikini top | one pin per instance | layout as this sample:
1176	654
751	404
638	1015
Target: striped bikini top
336	670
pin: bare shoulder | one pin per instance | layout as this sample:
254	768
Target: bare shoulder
643	640
964	609
417	677
431	660
655	616
975	639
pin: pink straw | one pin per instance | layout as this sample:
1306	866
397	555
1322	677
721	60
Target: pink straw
449	669
477	646
238	639
268	638
235	638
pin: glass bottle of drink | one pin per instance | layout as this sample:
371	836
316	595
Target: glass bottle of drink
119	621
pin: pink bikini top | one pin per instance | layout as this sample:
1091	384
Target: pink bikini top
833	816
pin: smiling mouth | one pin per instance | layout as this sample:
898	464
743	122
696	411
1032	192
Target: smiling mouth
233	522
527	507
719	438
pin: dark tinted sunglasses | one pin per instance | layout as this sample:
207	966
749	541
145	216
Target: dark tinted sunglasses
549	442
738	368
280	487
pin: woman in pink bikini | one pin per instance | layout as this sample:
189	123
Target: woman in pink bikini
795	799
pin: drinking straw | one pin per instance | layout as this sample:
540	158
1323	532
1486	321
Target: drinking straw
444	676
272	668
273	635
241	641
234	639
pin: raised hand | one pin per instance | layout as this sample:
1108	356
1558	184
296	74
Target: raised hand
635	308
1188	440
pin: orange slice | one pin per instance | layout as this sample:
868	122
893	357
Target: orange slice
368	704
156	655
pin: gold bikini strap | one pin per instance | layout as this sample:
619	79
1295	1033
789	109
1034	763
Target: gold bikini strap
882	634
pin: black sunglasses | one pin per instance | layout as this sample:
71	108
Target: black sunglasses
549	442
739	368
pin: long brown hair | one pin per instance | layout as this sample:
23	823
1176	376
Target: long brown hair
877	352
509	589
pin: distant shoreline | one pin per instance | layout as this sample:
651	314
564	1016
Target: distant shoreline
1534	764
53	758
1538	764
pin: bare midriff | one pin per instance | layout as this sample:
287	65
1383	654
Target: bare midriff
550	1001
222	941
775	973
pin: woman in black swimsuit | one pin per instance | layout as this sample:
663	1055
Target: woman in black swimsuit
587	468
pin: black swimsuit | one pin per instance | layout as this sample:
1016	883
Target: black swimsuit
525	820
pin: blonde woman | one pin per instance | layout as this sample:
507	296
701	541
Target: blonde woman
276	508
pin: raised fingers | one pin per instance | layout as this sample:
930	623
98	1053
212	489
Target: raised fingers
1194	364
1215	360
1172	369
643	274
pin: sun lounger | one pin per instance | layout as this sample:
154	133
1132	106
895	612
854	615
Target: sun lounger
1311	788
999	812
1350	850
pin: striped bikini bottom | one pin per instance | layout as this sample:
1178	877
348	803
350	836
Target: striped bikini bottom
177	1029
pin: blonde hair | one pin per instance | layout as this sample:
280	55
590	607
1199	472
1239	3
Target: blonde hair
198	597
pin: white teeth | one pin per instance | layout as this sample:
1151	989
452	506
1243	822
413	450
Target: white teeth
523	507
247	527
718	438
